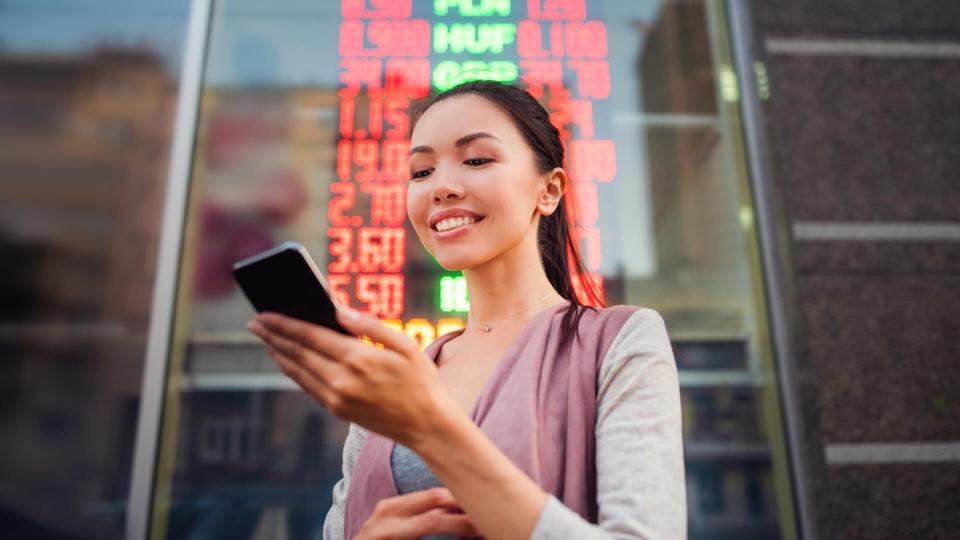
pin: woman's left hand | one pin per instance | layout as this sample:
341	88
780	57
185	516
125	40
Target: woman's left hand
394	391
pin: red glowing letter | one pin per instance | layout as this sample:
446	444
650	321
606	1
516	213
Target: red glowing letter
356	73
587	203
400	38
347	109
387	203
586	39
410	77
365	156
572	111
344	197
396	153
593	78
396	115
382	293
338	287
381	249
341	246
592	160
539	73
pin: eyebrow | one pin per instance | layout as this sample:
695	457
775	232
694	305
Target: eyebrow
460	143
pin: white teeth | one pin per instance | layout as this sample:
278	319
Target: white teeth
453	223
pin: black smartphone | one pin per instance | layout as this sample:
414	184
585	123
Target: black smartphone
284	279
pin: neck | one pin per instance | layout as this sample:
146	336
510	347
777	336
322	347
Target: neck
511	287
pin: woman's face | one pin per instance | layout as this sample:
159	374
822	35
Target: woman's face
474	190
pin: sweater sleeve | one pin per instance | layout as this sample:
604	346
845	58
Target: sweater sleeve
333	524
641	484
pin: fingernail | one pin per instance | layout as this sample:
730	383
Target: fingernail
350	314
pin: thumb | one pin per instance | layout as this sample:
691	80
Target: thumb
362	325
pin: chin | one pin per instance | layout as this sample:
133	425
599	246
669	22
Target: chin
460	258
454	263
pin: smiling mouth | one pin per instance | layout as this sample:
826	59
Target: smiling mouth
450	224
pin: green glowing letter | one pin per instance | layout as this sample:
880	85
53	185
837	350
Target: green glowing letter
473	8
474	39
449	73
453	294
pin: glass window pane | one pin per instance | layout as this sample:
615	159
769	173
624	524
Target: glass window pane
303	136
87	98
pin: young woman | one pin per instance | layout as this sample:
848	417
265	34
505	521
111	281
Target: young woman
543	418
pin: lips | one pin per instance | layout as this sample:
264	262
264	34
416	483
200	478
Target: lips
453	223
452	218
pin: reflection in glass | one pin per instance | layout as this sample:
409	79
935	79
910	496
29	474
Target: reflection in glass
87	98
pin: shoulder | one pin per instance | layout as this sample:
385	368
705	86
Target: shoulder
641	342
622	322
643	330
643	322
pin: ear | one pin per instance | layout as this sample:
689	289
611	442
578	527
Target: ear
555	185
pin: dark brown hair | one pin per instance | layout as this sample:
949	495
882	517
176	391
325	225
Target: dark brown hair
556	234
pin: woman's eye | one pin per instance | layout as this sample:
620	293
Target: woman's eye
476	162
420	174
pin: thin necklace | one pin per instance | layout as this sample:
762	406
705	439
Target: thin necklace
487	328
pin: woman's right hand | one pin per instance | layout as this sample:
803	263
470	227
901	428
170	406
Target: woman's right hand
410	516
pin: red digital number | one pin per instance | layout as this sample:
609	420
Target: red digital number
578	112
587	203
396	156
593	78
376	160
356	73
530	40
382	293
339	287
344	198
351	39
389	38
387	203
341	249
385	109
381	249
537	74
410	77
586	39
366	157
592	160
396	115
348	110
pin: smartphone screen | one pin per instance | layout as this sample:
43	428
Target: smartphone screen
285	280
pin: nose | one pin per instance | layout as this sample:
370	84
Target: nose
446	188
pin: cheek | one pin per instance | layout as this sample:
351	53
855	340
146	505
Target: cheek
418	206
415	202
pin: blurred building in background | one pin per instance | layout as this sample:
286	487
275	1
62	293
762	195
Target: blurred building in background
775	178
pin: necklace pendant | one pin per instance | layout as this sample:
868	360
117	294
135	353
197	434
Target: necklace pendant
486	328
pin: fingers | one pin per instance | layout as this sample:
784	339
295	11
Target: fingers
441	521
325	341
431	511
362	325
420	501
